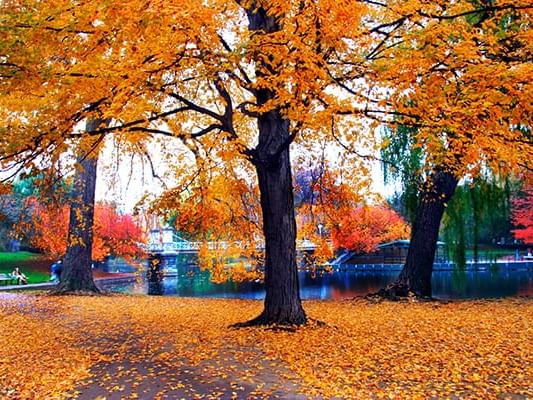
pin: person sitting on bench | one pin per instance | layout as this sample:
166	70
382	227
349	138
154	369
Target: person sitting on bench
19	276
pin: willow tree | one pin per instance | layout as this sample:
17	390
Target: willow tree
479	212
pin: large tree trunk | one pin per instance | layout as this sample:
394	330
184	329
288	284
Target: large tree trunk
77	271
282	301
415	277
283	305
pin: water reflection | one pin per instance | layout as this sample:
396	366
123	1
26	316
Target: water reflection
457	284
471	284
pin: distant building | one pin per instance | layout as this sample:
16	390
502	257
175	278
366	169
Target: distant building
386	253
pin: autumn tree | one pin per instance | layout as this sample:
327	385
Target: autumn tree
77	273
478	211
326	193
220	209
49	184
460	82
342	213
248	79
47	227
114	234
243	75
364	228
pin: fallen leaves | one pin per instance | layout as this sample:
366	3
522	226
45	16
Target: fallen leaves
152	347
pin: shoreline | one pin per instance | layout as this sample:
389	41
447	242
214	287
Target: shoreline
123	278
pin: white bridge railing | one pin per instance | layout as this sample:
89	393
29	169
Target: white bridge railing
193	247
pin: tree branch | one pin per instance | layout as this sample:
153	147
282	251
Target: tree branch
195	107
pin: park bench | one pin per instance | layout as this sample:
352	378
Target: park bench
7	279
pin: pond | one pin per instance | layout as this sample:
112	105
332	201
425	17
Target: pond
191	282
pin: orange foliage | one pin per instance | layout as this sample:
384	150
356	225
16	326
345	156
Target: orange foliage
223	213
5	188
335	210
330	196
114	234
214	207
459	71
325	199
362	229
201	72
391	350
48	227
460	75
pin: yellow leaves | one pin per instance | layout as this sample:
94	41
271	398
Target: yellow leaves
4	188
240	273
220	210
455	74
43	363
127	52
472	349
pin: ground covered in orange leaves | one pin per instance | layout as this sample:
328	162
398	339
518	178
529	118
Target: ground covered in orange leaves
142	347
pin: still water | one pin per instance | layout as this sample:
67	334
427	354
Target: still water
190	282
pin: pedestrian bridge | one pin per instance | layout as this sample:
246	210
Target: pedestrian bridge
166	242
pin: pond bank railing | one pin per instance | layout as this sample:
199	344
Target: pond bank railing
441	266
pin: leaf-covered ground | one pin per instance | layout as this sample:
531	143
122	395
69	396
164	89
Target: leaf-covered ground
117	347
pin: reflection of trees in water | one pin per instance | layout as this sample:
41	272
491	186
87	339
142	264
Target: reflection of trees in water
526	288
458	280
191	281
341	285
480	284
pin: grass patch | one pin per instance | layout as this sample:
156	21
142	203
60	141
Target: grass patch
33	276
20	256
30	264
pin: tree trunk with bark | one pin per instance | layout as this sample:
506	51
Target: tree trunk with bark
271	159
282	301
415	277
77	275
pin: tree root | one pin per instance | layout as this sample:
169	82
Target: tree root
396	292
